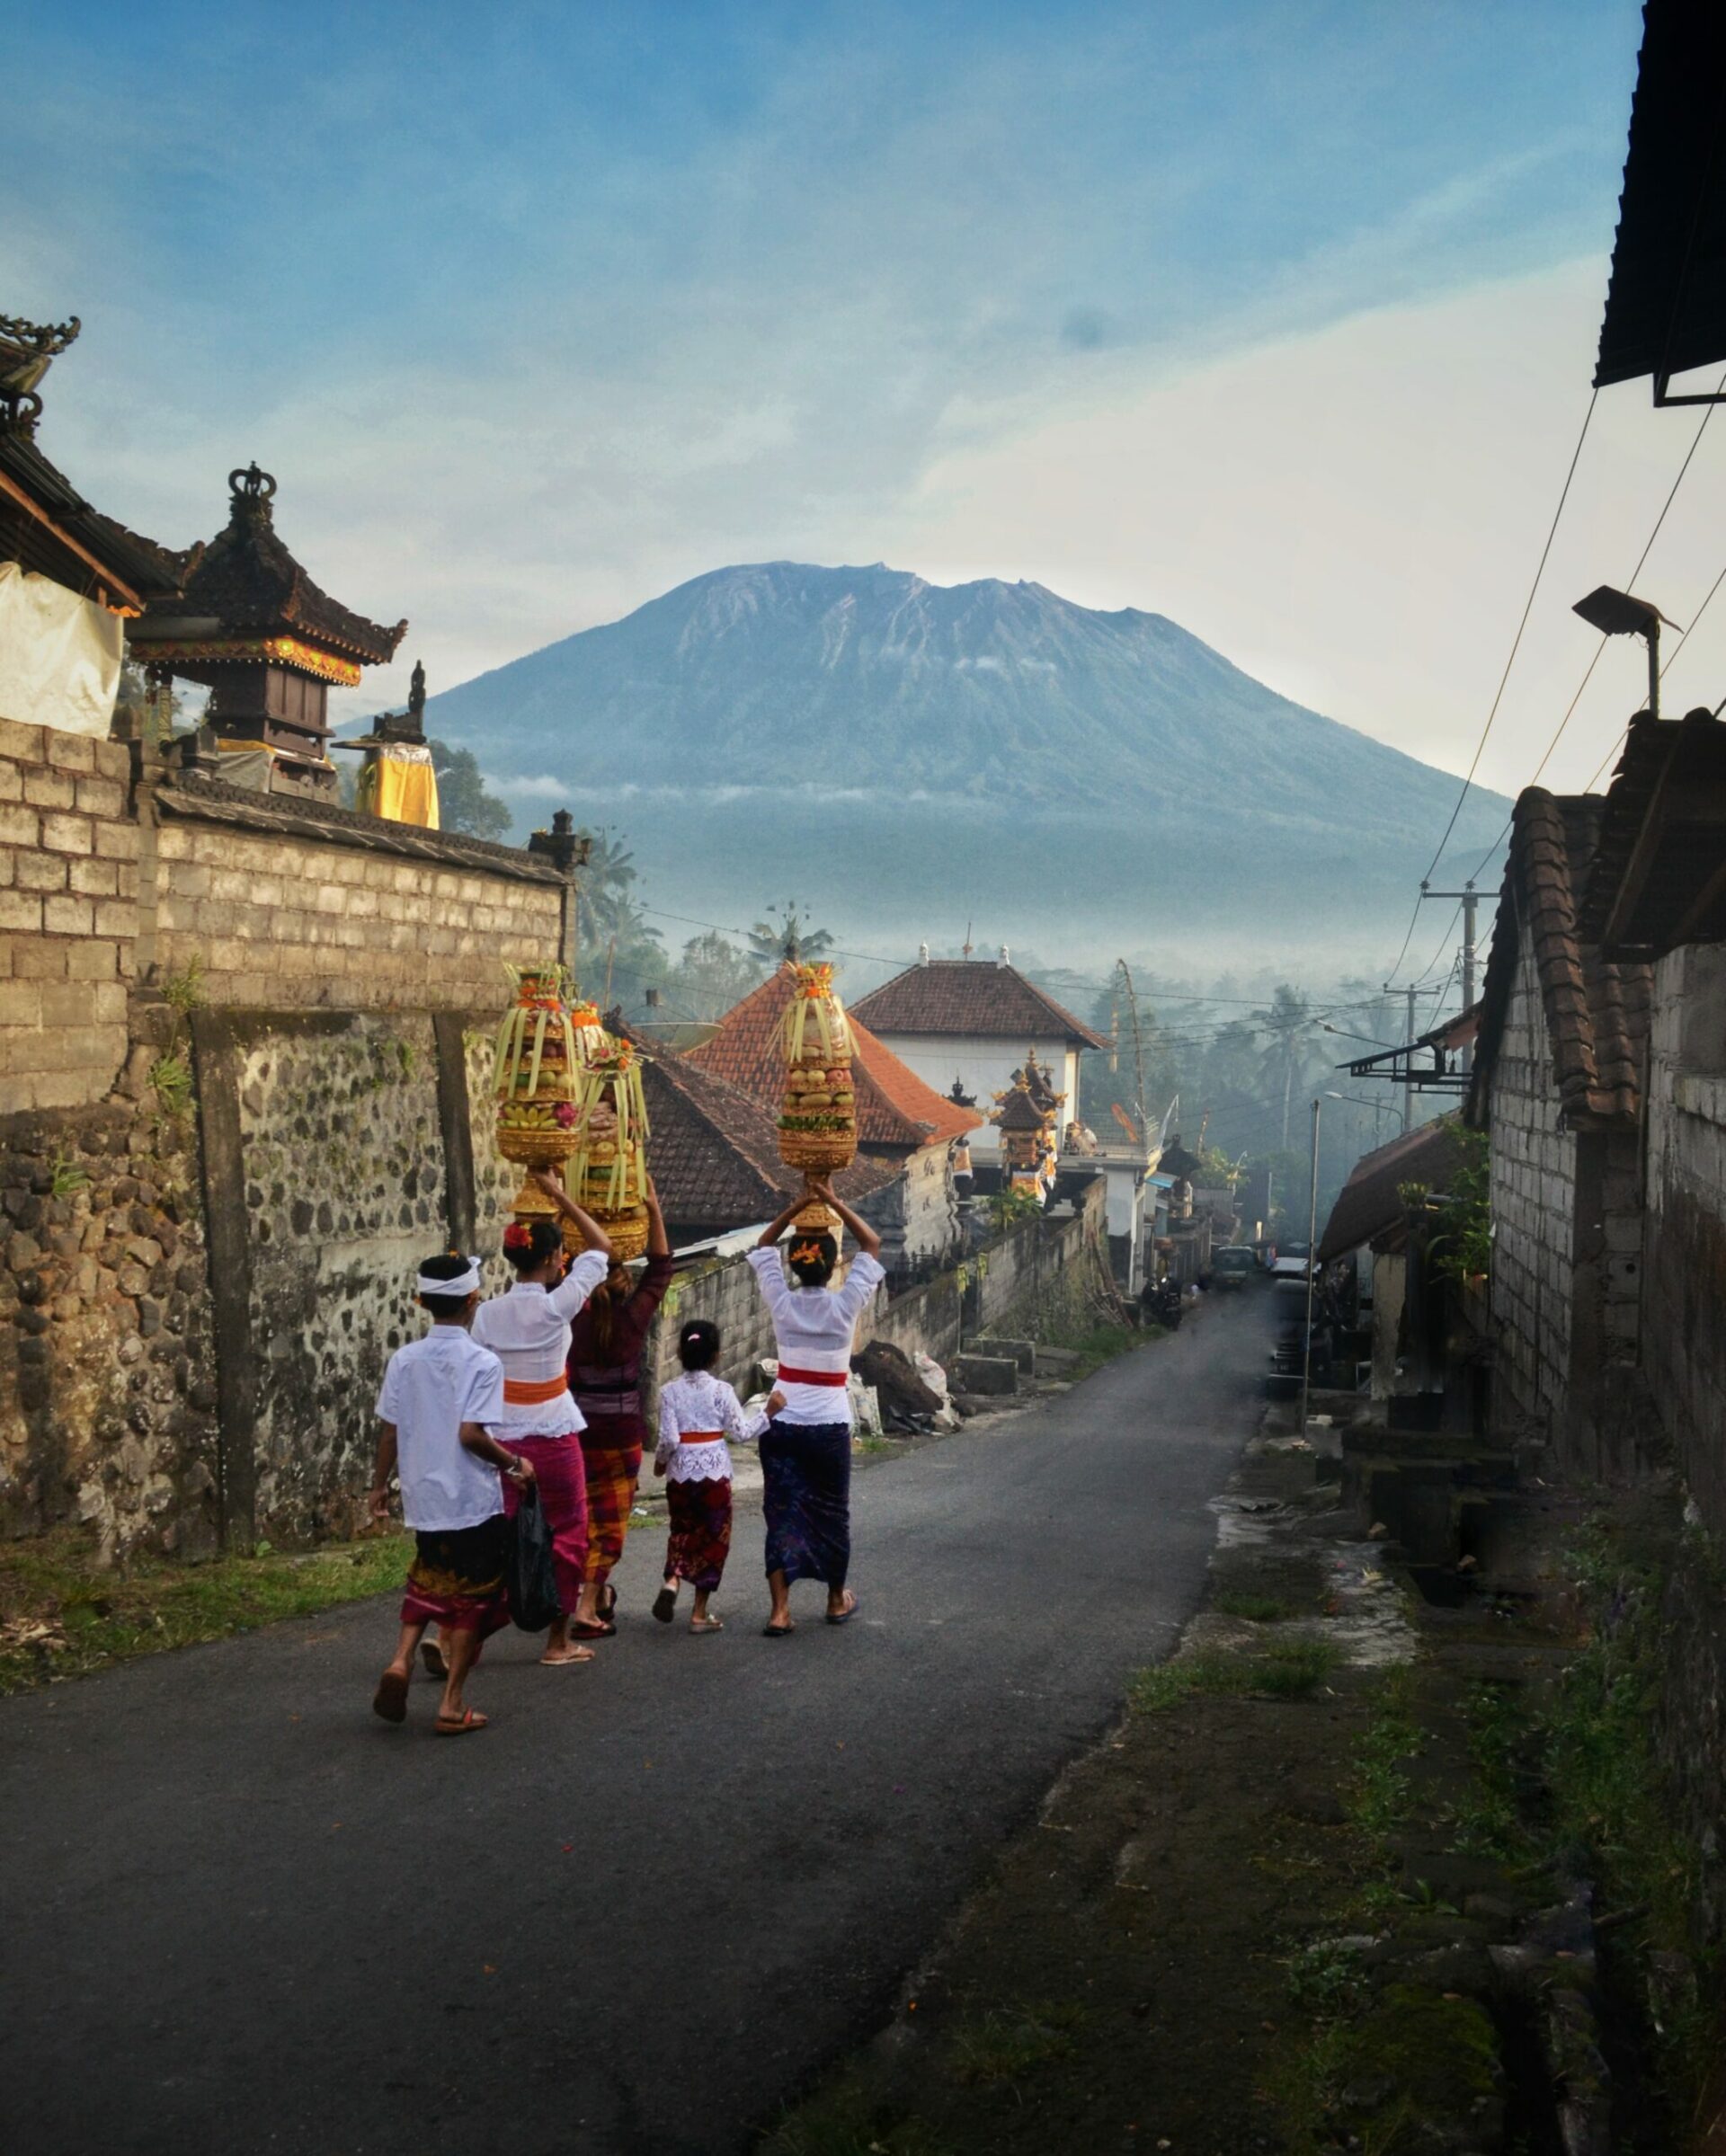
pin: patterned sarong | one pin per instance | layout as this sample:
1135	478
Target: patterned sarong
613	1473
700	1536
807	1500
457	1578
563	1498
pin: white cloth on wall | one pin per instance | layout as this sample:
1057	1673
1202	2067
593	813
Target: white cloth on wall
59	654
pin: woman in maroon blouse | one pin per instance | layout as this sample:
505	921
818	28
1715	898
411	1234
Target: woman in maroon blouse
605	1348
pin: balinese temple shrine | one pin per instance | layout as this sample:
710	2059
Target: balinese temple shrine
1026	1143
251	627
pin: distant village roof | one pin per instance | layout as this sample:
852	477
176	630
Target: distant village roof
714	1151
1177	1162
973	999
894	1107
248	584
1658	876
46	525
1369	1207
1597	1011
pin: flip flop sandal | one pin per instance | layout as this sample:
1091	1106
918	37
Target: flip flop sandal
390	1700
664	1603
707	1624
777	1631
563	1661
844	1616
432	1654
586	1629
470	1722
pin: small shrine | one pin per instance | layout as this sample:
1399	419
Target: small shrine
1026	1140
251	627
397	781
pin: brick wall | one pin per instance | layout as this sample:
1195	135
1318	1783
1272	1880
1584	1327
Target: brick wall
68	916
1533	1204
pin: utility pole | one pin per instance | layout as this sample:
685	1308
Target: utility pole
1407	1071
1470	899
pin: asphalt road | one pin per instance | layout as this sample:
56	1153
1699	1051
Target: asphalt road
239	1913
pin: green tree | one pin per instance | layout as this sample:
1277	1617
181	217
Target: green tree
785	933
463	804
1289	1021
713	974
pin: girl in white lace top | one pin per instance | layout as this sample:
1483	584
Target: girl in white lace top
697	1412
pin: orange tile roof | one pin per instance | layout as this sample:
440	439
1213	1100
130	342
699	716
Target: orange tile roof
894	1107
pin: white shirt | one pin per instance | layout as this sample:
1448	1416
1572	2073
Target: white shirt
813	1328
698	1400
432	1387
527	1330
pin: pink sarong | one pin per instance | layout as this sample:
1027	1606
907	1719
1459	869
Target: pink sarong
563	1498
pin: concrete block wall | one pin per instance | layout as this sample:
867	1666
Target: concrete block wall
276	922
1533	1174
68	916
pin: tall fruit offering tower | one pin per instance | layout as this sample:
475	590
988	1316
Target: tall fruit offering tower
540	1047
610	1176
818	1125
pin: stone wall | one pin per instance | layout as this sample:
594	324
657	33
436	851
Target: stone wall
916	1215
1684	1337
107	1367
1534	1205
243	1044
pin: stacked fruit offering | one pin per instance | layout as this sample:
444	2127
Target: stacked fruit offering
608	1178
536	1068
818	1126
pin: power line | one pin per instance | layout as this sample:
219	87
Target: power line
1516	645
1696	443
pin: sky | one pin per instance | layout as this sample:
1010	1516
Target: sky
1274	317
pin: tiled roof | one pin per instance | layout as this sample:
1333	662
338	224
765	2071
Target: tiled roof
1655	879
249	582
973	999
1368	1206
746	1050
714	1152
136	568
1597	1011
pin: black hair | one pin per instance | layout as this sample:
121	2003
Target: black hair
529	1252
447	1264
697	1343
817	1270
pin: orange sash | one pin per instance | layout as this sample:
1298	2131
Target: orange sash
533	1392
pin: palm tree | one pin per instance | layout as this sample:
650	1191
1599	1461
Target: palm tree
785	935
1289	1021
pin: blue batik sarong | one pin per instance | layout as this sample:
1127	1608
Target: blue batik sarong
807	1500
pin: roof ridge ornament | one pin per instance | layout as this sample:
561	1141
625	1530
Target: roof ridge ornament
251	489
27	348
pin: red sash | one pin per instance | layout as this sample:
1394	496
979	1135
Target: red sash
788	1376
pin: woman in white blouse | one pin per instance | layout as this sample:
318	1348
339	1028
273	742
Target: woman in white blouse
807	1449
527	1330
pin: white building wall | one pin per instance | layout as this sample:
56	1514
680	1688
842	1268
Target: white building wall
983	1068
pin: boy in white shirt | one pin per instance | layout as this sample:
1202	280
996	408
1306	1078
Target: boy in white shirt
439	1393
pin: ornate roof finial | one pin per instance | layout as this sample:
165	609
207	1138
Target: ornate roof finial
26	351
251	489
416	696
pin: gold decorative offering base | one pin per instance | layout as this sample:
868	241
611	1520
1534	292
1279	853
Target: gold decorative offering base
818	1152
817	1218
626	1231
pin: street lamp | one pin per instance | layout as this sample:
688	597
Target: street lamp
1311	1267
1361	1101
1617	614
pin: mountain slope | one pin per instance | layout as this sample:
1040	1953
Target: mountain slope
967	751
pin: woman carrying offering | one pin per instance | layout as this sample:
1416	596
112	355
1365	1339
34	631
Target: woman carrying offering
527	1330
806	1451
605	1377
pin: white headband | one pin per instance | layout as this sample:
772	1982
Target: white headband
464	1284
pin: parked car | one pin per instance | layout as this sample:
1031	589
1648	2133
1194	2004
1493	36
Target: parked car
1232	1265
1292	1261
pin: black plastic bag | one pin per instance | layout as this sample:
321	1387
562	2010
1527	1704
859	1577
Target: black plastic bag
529	1579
